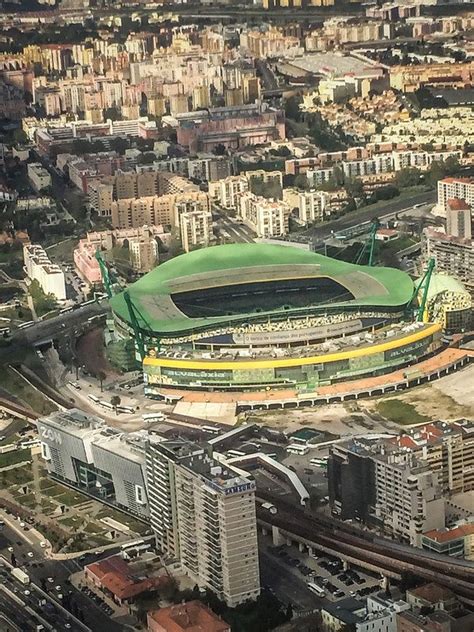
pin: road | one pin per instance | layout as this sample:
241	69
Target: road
268	77
319	233
40	568
286	585
70	324
230	229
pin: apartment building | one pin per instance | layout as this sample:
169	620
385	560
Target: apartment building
311	205
100	196
227	191
409	498
143	253
203	513
317	177
270	43
448	448
136	185
40	268
453	255
421	159
195	229
266	177
155	210
38	176
411	78
83	451
210	168
385	485
458	219
450	188
268	218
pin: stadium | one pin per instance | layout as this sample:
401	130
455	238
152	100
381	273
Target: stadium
246	317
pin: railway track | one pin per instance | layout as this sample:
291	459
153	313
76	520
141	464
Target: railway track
458	575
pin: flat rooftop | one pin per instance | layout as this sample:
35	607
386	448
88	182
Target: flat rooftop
332	64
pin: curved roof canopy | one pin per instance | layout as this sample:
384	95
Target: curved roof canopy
240	264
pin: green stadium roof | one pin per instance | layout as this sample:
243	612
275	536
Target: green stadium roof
244	263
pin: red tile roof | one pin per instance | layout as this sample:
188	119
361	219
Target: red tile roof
445	535
115	575
192	616
432	593
457	204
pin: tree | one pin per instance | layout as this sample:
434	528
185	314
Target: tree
101	377
451	166
220	150
301	182
354	188
408	177
20	137
292	108
81	146
119	145
113	114
282	151
44	303
146	159
115	401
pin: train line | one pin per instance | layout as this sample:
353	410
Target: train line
296	524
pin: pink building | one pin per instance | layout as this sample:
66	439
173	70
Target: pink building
85	262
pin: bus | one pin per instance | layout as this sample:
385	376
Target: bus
135	551
235	453
74	385
314	588
132	545
106	405
150	417
295	448
211	429
27	324
94	398
125	409
5	331
31	443
319	462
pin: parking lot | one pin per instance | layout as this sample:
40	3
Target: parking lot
330	574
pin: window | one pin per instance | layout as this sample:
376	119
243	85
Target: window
140	495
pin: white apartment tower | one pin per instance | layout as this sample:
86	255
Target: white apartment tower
195	228
409	498
268	218
451	188
203	513
40	268
228	190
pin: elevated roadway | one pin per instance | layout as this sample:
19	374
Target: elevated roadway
366	549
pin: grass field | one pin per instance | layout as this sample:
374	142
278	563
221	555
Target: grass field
13	457
28	500
62	251
16	476
71	521
14	384
400	412
132	523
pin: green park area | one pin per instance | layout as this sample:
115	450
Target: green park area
400	412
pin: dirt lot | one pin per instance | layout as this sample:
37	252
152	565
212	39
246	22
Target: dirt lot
90	353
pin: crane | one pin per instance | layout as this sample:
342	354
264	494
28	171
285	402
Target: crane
108	279
111	284
369	245
423	286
